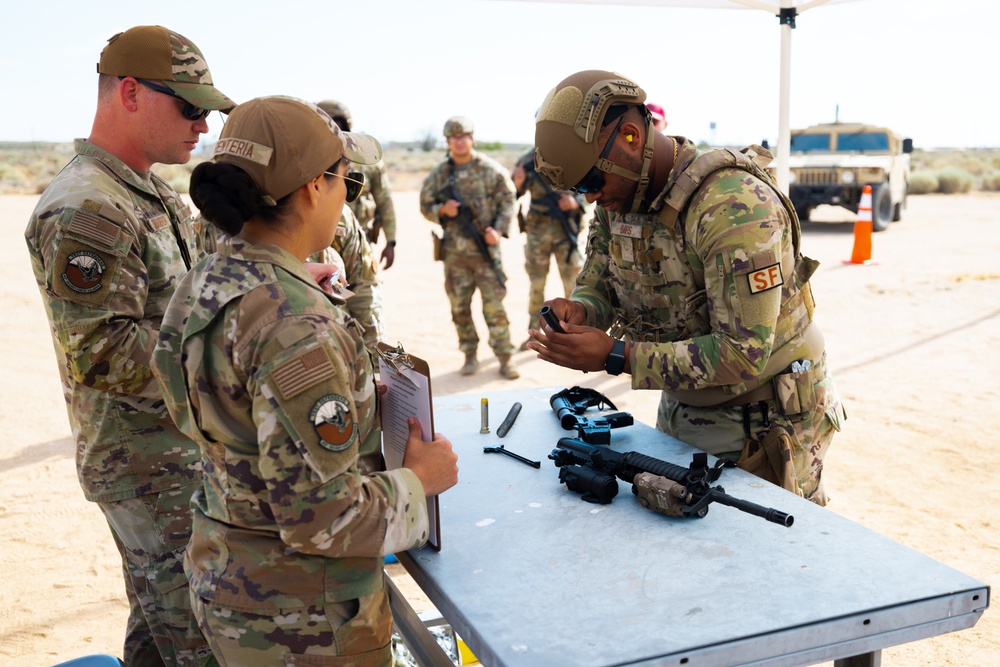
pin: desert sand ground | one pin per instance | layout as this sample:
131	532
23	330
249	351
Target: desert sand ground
913	341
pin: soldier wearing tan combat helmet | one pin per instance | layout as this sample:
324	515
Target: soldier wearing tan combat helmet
472	197
694	283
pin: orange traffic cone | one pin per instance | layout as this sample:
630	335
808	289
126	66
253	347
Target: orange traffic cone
862	252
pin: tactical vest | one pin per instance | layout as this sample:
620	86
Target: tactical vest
681	294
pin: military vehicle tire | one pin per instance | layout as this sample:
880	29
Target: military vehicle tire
803	213
882	209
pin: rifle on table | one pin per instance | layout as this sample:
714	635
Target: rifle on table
551	200
465	223
570	404
663	487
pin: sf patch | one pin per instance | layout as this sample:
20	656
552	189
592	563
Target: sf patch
334	424
83	271
766	278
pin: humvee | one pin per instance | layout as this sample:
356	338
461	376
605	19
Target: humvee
831	163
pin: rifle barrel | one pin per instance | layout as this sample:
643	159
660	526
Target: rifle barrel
766	513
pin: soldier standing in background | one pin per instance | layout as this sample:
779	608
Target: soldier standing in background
373	208
108	241
694	265
351	251
553	222
472	197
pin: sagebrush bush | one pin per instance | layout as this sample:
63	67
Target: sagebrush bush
991	182
954	180
923	182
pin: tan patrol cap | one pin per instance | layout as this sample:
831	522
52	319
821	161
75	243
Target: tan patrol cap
457	125
155	53
284	142
336	110
569	121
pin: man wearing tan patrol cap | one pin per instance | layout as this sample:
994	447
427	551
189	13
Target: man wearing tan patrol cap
108	241
694	266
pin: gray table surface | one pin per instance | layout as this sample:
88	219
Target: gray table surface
529	574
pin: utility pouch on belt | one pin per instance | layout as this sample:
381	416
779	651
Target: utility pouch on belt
794	389
771	459
438	243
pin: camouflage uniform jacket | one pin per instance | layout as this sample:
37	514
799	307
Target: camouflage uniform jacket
484	186
273	381
350	251
374	208
709	283
107	247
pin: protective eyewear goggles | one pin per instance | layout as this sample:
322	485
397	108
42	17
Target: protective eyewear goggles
189	111
594	180
355	182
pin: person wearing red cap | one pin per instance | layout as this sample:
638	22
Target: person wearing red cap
108	241
659	117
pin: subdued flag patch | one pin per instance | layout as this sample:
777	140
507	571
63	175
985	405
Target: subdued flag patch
298	374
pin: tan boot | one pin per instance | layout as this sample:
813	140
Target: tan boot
506	369
471	365
524	346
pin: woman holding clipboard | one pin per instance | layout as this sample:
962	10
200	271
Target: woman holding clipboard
270	376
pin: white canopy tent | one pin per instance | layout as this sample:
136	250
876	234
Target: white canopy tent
786	11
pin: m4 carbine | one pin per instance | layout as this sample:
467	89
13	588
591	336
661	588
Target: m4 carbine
466	225
661	486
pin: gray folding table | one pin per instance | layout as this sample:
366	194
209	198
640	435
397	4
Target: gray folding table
529	574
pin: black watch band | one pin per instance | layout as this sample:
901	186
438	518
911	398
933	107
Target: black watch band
615	363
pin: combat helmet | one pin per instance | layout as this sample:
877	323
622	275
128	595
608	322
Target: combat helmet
338	112
457	125
569	121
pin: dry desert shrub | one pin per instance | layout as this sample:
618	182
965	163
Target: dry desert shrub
991	182
955	180
923	182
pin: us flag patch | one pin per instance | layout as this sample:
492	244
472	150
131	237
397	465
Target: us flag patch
298	374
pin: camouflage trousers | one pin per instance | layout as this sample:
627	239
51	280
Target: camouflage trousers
355	632
462	276
720	431
152	533
541	244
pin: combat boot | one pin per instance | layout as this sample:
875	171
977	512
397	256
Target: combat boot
524	346
506	369
470	365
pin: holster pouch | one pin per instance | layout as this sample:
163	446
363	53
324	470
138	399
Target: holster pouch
794	391
438	243
771	459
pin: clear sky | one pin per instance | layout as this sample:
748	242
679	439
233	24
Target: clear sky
926	68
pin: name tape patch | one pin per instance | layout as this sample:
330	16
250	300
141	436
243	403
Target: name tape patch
245	149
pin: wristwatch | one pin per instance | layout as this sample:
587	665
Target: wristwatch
615	363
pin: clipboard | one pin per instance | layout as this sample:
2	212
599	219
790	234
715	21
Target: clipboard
408	382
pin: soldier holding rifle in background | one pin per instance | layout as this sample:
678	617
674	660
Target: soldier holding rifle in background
472	197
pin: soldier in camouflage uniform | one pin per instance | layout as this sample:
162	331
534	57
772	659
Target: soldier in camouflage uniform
108	241
270	376
374	208
552	224
693	262
350	250
480	187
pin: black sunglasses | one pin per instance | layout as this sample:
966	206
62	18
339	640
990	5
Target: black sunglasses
594	180
190	111
355	182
